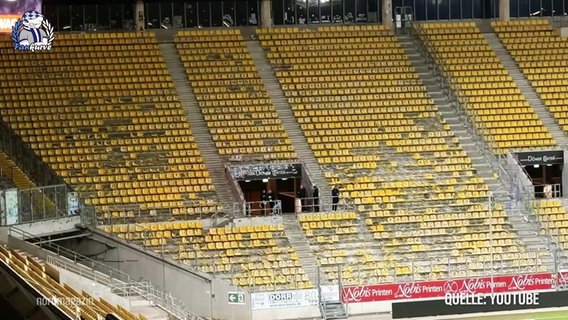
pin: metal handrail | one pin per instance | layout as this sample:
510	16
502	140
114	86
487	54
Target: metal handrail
458	101
144	289
456	98
90	216
535	204
274	207
428	264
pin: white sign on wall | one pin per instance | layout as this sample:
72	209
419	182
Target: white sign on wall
284	299
329	292
12	207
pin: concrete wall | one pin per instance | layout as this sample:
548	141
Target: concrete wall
4	234
375	307
17	243
199	292
96	290
257	221
49	227
287	313
369	307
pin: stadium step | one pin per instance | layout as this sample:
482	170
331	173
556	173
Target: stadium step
287	117
333	310
66	274
299	242
198	126
526	89
483	161
457	122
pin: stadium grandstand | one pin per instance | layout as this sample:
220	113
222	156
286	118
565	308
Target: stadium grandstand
282	159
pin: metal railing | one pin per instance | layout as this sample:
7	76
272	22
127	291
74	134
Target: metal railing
37	204
457	100
424	270
125	214
545	229
307	205
549	191
475	128
116	280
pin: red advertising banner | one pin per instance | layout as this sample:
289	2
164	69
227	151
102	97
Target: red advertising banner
438	289
563	278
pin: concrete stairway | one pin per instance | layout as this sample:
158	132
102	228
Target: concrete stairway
287	117
474	147
526	89
198	126
299	242
333	310
526	226
96	289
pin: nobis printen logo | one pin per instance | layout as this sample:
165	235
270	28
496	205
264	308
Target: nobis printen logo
32	32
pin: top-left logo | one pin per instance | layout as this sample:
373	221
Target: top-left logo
32	32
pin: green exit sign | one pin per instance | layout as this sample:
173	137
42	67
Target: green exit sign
236	297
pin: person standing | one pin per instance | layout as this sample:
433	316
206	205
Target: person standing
315	196
263	202
334	198
301	194
270	199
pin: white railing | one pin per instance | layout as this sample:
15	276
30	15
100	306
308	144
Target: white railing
116	280
422	270
457	101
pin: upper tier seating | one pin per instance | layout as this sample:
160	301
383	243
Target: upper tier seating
113	130
500	112
74	304
554	220
541	55
234	102
258	257
376	133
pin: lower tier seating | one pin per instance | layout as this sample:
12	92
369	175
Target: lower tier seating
75	304
257	257
554	220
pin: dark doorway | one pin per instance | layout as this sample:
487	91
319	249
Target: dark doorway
544	168
546	179
281	190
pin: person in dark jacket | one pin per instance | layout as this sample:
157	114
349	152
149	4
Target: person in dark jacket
301	194
270	199
334	198
315	196
263	202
